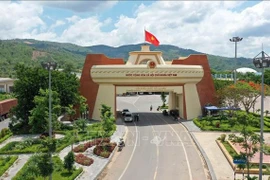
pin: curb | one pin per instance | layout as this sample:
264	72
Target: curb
109	159
79	175
203	154
230	161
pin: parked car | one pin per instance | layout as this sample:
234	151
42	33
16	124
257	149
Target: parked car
128	117
124	111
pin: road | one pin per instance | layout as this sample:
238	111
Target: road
4	124
157	147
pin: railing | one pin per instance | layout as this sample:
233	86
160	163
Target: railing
223	76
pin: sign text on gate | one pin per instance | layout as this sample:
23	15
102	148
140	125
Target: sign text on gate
151	75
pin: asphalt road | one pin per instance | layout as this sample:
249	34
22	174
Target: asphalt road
4	124
157	147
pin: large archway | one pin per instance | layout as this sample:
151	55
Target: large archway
188	81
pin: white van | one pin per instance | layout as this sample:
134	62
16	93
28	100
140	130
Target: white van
128	117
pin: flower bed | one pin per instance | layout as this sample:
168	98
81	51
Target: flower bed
104	149
83	160
85	146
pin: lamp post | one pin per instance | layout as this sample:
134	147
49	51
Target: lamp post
261	62
235	40
50	66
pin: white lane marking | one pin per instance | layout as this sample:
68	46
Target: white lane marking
155	175
131	154
185	152
136	101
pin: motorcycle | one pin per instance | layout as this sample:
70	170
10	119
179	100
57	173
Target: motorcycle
165	113
121	144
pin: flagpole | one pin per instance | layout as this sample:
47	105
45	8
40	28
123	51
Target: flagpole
144	37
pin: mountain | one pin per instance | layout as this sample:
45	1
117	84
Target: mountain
31	52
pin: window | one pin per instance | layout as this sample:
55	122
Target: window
2	88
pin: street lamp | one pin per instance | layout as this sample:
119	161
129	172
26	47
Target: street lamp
50	66
235	40
261	62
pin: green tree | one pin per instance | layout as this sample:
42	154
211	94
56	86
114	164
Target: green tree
70	111
82	105
69	161
31	79
44	165
220	84
49	143
247	139
163	98
108	121
81	124
39	115
243	93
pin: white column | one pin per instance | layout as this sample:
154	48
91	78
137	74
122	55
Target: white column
106	95
5	88
181	105
170	100
193	106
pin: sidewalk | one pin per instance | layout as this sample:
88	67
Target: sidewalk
100	163
18	164
218	165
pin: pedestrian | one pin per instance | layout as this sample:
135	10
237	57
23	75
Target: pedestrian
151	108
137	117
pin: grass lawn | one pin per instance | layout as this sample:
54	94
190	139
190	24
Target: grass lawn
35	145
60	173
17	147
5	137
227	124
232	152
6	162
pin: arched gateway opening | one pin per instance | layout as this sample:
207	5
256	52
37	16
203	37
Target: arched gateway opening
188	81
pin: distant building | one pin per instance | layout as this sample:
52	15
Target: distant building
245	70
6	85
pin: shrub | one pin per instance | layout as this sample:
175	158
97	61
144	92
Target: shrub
105	154
105	149
83	160
69	161
6	162
80	148
4	132
222	137
95	142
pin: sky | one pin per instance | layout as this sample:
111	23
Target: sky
204	26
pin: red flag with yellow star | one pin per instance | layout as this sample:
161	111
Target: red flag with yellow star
151	38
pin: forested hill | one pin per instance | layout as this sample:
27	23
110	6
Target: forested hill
32	52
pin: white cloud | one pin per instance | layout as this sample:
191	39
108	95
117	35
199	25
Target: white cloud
202	26
79	6
18	18
73	19
57	24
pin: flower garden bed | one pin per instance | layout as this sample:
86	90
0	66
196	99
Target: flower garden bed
83	160
85	146
104	149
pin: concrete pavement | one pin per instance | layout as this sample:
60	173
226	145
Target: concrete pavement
219	166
